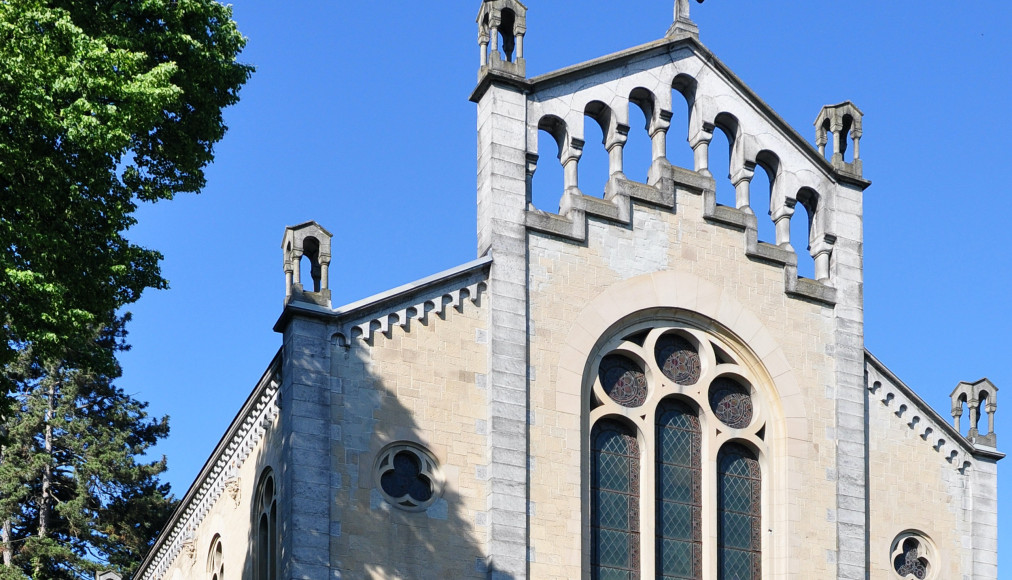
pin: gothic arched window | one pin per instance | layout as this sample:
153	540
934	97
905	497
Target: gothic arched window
615	501
266	525
216	560
739	523
677	431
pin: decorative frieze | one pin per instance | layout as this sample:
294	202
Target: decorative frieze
218	475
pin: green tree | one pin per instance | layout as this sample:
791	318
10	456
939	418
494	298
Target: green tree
76	494
103	103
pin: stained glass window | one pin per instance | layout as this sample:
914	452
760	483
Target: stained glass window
640	392
678	359
679	493
615	503
910	562
739	513
731	402
623	380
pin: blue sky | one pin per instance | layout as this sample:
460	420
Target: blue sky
358	117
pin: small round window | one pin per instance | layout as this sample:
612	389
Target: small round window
912	556
408	476
731	402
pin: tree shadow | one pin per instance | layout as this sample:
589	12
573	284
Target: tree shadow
401	390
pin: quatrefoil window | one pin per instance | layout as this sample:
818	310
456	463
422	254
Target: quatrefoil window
912	555
408	476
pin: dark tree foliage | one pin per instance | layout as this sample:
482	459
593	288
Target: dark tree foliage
76	494
103	103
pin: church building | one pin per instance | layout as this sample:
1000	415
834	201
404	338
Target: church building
626	385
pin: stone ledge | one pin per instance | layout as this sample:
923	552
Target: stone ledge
770	253
808	288
733	217
556	225
621	188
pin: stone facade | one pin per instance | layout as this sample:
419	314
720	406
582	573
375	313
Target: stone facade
446	428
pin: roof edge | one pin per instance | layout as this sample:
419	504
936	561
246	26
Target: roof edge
197	488
930	411
377	301
709	57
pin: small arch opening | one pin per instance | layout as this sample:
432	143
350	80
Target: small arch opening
801	231
548	180
679	151
594	168
848	122
761	195
639	149
827	128
507	36
721	147
309	265
981	413
963	407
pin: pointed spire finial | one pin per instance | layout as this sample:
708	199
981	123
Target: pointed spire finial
683	23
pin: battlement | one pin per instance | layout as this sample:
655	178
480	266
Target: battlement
678	71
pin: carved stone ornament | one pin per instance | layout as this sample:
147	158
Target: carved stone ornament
190	550
233	487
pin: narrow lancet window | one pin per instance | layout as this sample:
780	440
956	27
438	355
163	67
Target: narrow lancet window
739	525
615	503
679	493
266	514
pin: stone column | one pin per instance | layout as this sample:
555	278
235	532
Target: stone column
659	126
304	479
782	221
700	143
847	272
742	181
503	166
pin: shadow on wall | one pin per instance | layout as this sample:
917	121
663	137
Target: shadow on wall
393	514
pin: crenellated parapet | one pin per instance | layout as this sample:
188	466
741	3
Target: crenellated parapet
680	73
978	397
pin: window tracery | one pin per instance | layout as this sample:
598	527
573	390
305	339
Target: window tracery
267	535
215	560
668	399
408	476
615	501
912	556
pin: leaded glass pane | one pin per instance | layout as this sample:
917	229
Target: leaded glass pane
615	502
623	380
731	402
910	563
677	359
739	515
678	526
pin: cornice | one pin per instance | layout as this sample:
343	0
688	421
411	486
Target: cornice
243	435
923	419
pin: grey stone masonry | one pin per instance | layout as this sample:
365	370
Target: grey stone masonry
984	497
501	231
851	424
305	475
502	200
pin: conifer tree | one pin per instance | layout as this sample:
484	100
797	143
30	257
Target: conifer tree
76	493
